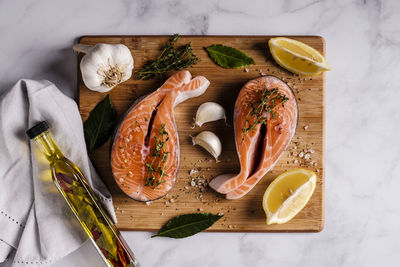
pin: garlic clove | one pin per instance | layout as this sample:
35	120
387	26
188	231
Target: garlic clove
105	65
210	142
209	111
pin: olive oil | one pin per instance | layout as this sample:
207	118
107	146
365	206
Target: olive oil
80	197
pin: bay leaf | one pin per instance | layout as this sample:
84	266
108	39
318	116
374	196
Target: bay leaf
187	225
228	57
100	124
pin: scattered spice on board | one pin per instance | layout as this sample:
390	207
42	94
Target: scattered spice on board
302	154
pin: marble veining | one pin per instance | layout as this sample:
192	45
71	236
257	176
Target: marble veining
362	114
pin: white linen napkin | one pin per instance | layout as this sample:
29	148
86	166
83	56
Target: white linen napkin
34	218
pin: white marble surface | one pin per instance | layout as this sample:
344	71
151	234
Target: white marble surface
362	114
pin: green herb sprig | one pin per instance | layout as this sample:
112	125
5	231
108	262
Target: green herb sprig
267	103
171	58
161	155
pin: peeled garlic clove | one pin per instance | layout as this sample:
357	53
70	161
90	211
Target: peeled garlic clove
210	142
105	65
209	111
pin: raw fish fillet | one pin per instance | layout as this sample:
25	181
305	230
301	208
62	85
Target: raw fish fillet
260	149
145	147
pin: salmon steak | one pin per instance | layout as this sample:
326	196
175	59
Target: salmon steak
145	147
265	120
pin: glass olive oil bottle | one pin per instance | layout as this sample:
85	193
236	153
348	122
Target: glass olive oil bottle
80	197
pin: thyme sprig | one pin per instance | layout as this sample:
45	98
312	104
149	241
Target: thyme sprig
159	155
171	58
263	109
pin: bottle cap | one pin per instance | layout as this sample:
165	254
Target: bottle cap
37	129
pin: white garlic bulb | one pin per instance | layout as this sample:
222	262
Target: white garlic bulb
105	65
210	142
209	111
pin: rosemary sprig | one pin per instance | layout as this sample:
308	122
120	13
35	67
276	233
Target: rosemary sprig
171	58
161	156
263	108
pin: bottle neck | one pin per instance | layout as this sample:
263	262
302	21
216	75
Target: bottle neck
48	147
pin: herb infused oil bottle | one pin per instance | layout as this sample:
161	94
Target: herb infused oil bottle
80	197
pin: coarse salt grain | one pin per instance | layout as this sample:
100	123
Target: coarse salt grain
192	171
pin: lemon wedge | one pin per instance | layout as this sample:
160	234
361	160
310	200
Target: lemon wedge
297	57
287	195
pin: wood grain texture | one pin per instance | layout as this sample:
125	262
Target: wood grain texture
243	215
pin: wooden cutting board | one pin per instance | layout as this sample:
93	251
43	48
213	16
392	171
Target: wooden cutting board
243	215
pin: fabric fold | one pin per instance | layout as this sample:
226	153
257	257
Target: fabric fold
34	217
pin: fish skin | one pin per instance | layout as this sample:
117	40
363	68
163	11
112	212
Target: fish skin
274	142
137	145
